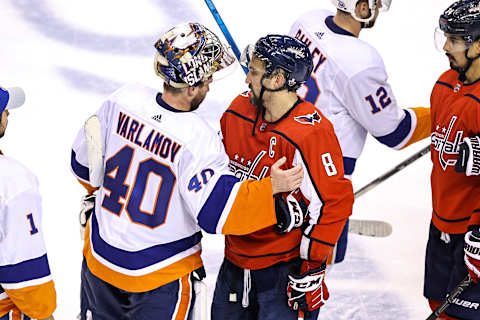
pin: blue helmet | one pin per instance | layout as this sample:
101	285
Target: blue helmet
288	54
462	18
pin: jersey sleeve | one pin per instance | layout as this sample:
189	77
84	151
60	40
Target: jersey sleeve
79	156
370	100
24	270
217	199
330	195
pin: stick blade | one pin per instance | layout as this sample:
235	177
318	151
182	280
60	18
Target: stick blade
370	228
93	137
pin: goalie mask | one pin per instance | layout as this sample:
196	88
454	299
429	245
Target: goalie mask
350	5
189	54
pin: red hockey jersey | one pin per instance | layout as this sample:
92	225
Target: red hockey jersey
455	114
303	135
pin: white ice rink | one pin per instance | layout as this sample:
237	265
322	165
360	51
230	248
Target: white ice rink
69	55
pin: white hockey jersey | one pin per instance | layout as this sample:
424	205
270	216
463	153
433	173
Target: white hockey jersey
349	85
166	175
25	280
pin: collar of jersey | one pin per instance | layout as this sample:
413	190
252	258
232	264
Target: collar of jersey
285	115
335	28
165	105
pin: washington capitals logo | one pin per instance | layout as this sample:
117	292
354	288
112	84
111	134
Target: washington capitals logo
309	118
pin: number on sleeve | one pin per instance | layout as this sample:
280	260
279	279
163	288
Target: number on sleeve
327	161
33	228
383	99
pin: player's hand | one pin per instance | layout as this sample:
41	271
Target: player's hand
86	208
285	180
472	254
306	289
49	318
468	160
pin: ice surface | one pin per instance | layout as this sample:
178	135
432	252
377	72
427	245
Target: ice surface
69	55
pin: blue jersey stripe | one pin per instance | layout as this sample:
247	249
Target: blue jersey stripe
79	169
396	137
25	271
213	207
349	165
139	259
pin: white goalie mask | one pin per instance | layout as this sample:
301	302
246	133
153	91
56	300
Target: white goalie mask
189	54
350	5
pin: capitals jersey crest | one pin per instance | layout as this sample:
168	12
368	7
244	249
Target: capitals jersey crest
455	115
311	118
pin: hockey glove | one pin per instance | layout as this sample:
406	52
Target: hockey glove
472	254
86	209
468	160
290	212
307	290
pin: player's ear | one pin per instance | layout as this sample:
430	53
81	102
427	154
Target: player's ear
191	91
362	10
476	47
280	79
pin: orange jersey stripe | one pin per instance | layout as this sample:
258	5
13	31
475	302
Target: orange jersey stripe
89	188
35	301
185	298
247	215
5	306
423	127
139	283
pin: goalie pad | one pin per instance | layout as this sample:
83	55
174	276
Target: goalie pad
290	212
468	160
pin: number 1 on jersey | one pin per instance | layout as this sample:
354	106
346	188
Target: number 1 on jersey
33	228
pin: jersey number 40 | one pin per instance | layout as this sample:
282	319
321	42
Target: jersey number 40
116	170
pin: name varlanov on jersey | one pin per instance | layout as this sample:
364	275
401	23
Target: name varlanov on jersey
244	172
445	147
155	142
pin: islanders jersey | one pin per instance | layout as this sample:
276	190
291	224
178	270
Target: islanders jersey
25	280
166	175
349	85
304	136
455	115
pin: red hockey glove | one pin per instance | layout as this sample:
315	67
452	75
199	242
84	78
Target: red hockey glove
307	290
472	254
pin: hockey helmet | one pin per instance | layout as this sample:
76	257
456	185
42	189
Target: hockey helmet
189	54
462	18
286	53
350	5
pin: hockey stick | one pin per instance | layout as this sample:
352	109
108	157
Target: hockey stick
374	228
225	31
93	137
402	165
464	284
370	228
